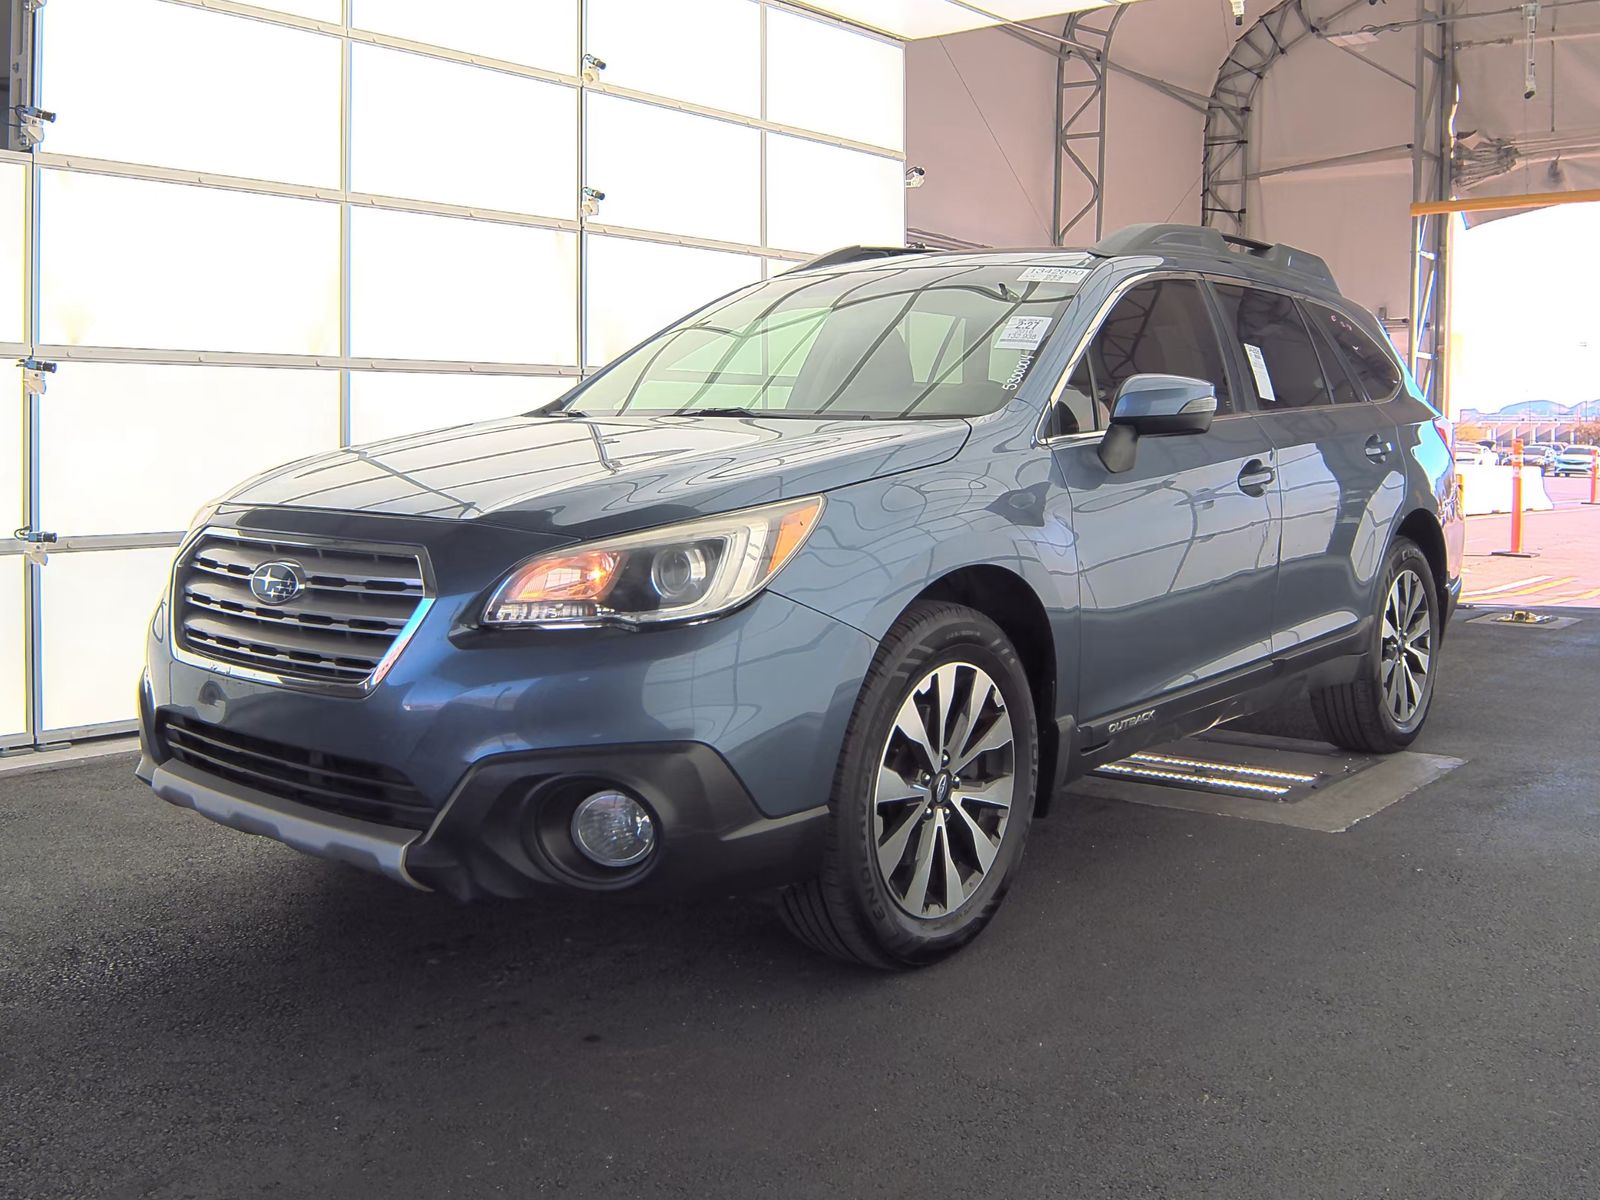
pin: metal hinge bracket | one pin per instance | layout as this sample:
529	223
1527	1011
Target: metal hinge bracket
34	371
30	124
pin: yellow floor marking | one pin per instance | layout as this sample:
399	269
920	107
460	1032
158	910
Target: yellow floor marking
1509	587
1570	599
1529	590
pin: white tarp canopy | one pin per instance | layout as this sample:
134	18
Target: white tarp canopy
1331	124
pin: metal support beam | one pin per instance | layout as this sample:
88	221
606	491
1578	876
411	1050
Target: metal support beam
1431	183
1082	63
1227	167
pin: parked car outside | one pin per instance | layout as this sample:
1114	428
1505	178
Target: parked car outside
1472	454
1541	455
1575	460
825	588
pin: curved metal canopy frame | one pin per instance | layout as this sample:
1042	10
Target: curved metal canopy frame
1227	166
1082	61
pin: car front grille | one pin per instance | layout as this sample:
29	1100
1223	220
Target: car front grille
329	782
344	623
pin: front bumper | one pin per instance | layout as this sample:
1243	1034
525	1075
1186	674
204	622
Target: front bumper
504	831
726	729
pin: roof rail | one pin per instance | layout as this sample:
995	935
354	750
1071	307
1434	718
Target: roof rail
853	254
1196	239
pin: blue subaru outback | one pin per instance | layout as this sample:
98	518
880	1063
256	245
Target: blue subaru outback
828	588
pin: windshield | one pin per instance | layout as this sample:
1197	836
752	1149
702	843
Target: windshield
894	342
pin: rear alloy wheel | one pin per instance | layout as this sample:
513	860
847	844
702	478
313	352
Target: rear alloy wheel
932	798
1384	708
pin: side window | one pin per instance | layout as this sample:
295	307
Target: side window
1161	328
1373	367
1334	368
1075	408
1277	347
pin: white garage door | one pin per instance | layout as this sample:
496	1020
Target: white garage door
256	234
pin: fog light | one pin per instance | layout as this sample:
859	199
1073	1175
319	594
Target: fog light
613	830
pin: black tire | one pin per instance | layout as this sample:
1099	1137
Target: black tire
849	910
1360	715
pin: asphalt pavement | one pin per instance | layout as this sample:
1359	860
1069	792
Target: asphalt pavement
1169	1005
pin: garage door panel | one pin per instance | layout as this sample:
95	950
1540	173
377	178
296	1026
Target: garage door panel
636	288
13	250
431	287
148	82
705	51
825	78
638	155
525	166
820	197
13	644
136	263
386	404
96	608
535	33
112	423
11	451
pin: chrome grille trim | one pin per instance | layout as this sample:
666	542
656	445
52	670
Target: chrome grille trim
361	604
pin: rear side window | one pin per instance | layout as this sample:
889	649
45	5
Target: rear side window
1279	354
1374	369
1340	381
1158	328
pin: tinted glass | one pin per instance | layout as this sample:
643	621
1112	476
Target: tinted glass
1335	370
935	341
1373	367
1277	347
1158	328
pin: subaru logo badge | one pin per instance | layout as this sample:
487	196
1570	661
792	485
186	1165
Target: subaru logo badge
277	582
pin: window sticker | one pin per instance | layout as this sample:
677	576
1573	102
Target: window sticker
1258	366
1054	275
1023	333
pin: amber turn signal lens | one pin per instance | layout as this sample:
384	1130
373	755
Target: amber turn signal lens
587	576
792	531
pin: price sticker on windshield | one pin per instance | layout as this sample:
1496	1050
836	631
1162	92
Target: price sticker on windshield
1023	333
1054	275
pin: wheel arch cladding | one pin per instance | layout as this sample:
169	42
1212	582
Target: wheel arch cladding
1007	600
1422	527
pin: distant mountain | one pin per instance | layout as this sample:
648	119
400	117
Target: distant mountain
1537	410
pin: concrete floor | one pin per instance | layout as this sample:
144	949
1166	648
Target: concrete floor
1564	571
1171	1004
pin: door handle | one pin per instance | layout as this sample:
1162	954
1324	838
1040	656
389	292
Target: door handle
1255	477
1377	449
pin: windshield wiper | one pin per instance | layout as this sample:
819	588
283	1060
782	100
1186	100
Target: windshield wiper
731	410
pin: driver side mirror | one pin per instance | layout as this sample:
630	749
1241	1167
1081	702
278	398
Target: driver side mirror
1155	406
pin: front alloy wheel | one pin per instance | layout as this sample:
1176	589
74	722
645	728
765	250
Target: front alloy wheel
944	791
932	797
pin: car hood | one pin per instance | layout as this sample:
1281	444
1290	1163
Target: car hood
584	477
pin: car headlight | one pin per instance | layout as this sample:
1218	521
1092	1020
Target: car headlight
676	573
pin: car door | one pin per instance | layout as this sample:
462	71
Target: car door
1339	469
1177	556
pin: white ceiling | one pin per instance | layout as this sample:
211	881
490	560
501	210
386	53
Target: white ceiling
913	19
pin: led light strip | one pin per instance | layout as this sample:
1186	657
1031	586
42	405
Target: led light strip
1264	789
1224	768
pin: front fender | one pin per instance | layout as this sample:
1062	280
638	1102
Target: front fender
884	542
